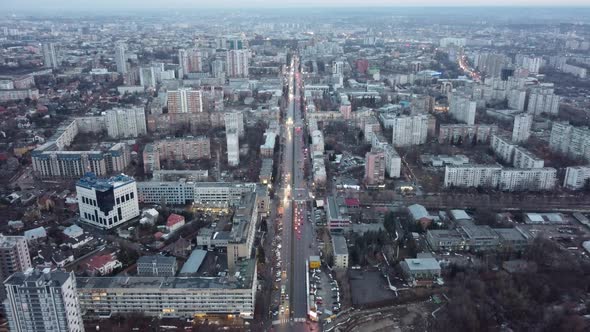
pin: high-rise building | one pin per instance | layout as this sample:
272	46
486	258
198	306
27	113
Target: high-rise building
491	64
530	63
43	301
494	176
183	61
233	146
462	108
503	147
516	99
523	158
531	179
521	130
235	119
184	148
217	68
543	100
195	61
409	130
147	77
393	162
121	58
375	167
107	203
452	133
337	68
123	123
576	177
50	55
464	176
14	255
570	141
185	100
237	63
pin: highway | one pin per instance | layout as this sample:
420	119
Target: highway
297	236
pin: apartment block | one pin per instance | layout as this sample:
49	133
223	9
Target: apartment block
123	123
43	301
576	177
462	108
481	133
571	141
409	130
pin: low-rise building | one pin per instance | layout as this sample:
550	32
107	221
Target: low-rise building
336	219
174	222
420	215
468	236
421	270
102	264
340	251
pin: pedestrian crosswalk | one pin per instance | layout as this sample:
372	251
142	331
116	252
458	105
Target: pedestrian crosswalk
281	321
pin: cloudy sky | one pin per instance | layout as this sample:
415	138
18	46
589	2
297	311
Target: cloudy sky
172	4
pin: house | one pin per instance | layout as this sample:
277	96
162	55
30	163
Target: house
35	233
77	242
45	203
16	224
102	264
180	248
73	231
61	258
420	215
174	222
149	216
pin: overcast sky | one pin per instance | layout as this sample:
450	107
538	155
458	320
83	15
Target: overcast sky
172	4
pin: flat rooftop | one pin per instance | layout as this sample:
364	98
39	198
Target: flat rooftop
339	244
241	279
422	264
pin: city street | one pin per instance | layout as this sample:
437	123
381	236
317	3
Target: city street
297	234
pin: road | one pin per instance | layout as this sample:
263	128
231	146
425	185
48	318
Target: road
297	236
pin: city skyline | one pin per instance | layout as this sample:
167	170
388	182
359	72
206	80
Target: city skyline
69	5
294	166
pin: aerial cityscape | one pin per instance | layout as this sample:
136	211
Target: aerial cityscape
297	166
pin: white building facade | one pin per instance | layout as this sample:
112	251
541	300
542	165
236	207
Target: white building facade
107	203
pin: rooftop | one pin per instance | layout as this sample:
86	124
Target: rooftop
43	278
242	279
91	181
156	259
193	263
339	244
422	264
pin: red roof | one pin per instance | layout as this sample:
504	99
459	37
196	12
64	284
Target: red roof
99	261
352	201
158	235
174	219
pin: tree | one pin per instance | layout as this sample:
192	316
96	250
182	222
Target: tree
261	255
263	226
389	223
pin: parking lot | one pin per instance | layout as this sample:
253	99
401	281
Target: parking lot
325	293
